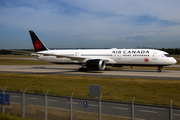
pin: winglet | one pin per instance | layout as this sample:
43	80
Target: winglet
37	43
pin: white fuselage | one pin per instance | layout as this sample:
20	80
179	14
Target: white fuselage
133	57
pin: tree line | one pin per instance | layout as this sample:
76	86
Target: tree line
171	50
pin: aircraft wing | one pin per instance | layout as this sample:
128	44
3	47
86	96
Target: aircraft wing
78	58
46	54
20	52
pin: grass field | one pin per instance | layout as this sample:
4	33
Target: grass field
158	92
176	56
11	117
22	62
20	56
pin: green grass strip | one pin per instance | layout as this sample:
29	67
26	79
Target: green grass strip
158	92
22	62
12	117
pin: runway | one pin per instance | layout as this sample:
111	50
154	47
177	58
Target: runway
73	70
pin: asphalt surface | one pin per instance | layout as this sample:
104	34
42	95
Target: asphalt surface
73	70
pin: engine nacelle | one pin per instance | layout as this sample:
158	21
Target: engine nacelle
95	64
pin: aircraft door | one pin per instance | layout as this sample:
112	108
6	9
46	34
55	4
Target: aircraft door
119	57
157	58
155	55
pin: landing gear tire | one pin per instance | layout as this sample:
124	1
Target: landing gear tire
83	69
159	70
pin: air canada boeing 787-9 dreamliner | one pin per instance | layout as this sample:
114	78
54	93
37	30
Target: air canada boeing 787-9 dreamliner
98	59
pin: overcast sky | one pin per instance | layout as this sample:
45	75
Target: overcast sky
90	23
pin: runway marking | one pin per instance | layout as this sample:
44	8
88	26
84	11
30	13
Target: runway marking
177	114
148	111
52	100
152	108
94	105
58	108
32	98
73	103
120	108
117	104
15	96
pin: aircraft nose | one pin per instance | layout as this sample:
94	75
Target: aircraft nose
174	61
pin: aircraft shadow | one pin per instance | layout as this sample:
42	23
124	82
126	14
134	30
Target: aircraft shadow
66	70
107	69
135	70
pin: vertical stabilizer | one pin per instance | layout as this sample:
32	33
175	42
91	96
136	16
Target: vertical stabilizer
37	43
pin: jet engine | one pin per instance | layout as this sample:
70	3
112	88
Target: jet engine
95	64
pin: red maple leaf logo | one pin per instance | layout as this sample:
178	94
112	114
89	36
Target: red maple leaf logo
37	45
146	59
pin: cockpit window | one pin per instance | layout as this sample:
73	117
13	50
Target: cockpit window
167	55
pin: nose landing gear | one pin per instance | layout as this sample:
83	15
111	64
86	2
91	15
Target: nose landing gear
159	68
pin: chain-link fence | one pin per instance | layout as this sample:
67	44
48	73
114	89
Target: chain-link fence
44	106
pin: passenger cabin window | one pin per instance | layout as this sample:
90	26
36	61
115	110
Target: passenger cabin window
167	55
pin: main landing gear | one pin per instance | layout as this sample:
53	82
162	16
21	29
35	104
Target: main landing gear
159	68
82	69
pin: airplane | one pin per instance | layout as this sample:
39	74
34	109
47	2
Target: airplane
98	59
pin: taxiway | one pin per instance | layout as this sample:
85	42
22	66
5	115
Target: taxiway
73	70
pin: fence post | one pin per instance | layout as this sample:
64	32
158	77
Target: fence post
3	98
24	102
46	104
171	112
100	107
132	109
71	102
